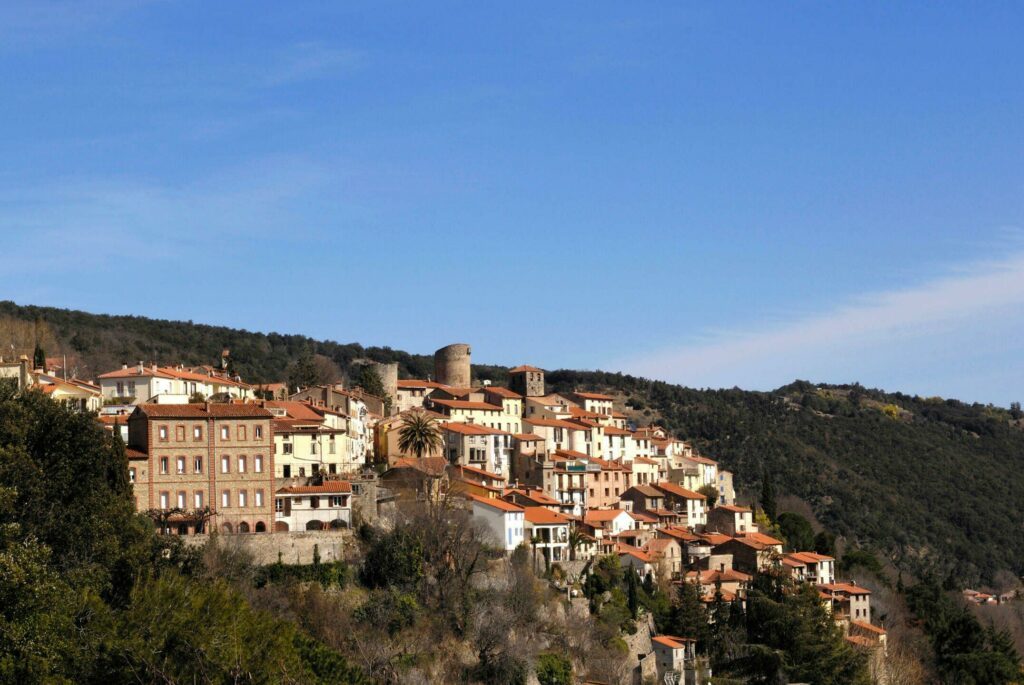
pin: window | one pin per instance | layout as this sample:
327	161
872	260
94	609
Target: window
131	388
279	504
180	465
330	446
287	470
131	475
243	498
120	389
314	502
287	448
197	499
225	499
165	498
312	446
241	433
181	499
257	432
337	501
225	464
197	432
259	498
241	464
225	433
257	463
197	465
179	433
163	465
162	432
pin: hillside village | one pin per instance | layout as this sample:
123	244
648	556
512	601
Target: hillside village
568	476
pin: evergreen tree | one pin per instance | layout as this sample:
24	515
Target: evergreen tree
768	497
632	592
39	357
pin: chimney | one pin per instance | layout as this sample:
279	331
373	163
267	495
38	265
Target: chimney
23	372
721	567
142	368
154	366
124	365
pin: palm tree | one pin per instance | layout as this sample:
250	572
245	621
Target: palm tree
575	540
419	435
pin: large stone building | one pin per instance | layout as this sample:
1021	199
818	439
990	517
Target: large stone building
527	381
190	457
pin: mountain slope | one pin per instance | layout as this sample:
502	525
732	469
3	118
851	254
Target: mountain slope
935	485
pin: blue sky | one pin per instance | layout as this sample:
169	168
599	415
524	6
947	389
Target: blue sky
716	196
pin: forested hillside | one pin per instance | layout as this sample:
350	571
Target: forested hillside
934	485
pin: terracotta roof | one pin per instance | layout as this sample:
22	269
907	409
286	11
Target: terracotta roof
711	576
524	368
678	533
472	429
859	640
328	488
603	515
848	588
714	539
480	472
295	409
733	508
499	504
672	642
543	516
593	396
528	437
467	404
645	460
135	454
636	552
502	392
554	423
640	516
678	491
762	538
863	625
647	490
202	411
533	495
809	557
612	430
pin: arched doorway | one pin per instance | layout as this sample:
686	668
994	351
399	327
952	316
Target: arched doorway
281	527
261	527
339	523
226	528
315	525
243	527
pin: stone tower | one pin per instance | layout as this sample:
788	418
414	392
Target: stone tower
451	365
527	381
388	374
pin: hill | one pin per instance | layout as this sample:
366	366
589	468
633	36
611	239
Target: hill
934	485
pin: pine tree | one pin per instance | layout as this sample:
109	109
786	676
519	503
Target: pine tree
632	592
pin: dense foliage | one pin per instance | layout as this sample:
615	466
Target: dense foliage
965	650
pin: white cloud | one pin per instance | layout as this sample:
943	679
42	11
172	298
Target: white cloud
882	338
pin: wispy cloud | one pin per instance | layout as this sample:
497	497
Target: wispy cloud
311	60
921	325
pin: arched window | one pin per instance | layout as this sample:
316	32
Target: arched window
243	527
226	528
261	527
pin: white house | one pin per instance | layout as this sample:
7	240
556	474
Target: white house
675	655
313	507
818	568
551	532
611	521
505	521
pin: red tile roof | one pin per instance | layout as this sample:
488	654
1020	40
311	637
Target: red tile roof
466	404
545	517
502	392
328	488
499	504
203	410
593	396
672	642
678	490
524	368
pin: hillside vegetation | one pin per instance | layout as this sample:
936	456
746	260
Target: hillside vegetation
933	485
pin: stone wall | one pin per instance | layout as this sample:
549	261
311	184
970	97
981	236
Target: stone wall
294	548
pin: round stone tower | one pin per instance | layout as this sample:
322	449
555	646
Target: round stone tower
451	365
388	374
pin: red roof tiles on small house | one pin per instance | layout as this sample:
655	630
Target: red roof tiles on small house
678	491
545	517
525	368
328	488
495	503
